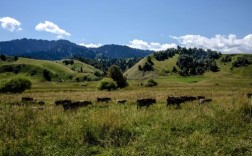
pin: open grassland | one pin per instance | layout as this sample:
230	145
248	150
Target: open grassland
221	127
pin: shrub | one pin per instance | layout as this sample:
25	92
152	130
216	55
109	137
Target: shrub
3	57
107	84
15	58
150	83
16	85
46	75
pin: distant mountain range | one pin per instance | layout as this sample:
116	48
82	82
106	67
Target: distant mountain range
61	49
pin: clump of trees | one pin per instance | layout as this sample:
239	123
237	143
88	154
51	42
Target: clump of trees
107	84
150	83
240	62
104	63
226	59
115	73
196	61
11	68
148	66
67	62
163	55
114	79
16	85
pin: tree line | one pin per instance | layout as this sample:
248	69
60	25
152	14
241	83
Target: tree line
104	63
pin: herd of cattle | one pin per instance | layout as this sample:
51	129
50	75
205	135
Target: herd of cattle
143	102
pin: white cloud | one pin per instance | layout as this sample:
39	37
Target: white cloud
50	27
90	45
140	44
224	44
10	24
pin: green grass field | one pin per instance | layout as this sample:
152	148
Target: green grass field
221	127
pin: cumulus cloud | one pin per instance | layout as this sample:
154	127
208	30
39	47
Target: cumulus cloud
50	27
225	44
90	45
10	24
155	46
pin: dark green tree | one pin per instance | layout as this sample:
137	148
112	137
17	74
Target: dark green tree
15	58
150	61
46	75
3	57
115	73
174	70
140	68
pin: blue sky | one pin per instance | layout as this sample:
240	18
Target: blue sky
223	25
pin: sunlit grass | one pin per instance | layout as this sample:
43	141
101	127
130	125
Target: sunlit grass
221	127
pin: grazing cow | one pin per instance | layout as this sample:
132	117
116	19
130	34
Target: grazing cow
188	98
249	95
177	100
75	105
170	101
41	102
121	101
145	102
27	99
201	101
103	99
61	102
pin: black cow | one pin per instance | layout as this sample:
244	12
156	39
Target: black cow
170	101
188	98
75	105
41	102
61	102
121	101
27	99
145	102
103	99
177	100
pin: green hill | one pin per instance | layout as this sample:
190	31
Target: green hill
58	71
164	68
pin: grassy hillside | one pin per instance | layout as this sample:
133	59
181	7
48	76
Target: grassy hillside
58	71
164	68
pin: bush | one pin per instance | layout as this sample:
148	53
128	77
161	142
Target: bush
150	83
3	57
17	85
46	75
107	84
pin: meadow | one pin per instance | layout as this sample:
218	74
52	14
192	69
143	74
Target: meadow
221	127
